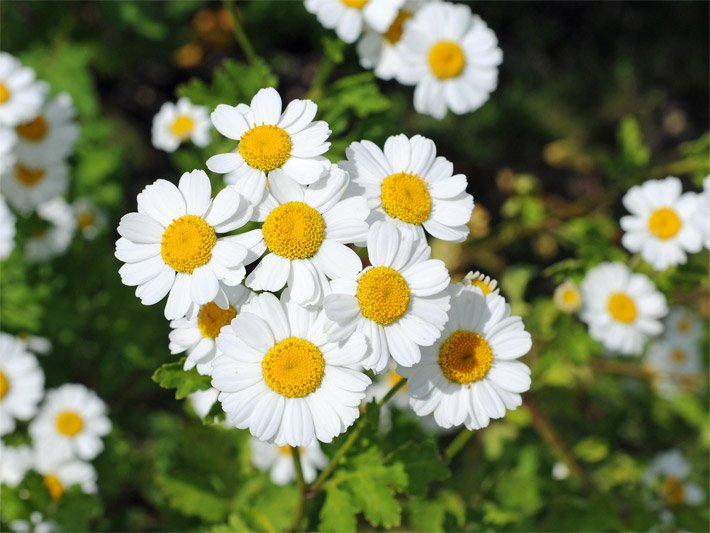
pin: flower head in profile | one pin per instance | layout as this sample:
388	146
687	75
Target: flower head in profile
280	377
61	473
277	460
50	135
90	219
21	95
668	475
21	383
53	237
26	184
180	122
272	141
348	17
480	282
408	185
171	245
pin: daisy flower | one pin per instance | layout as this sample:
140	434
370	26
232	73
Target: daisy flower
8	140
660	226
701	219
347	17
305	232
380	50
667	474
26	185
271	142
277	460
567	297
408	185
54	238
36	524
177	123
452	57
60	474
21	95
279	375
399	303
171	246
7	230
51	135
203	400
70	423
90	220
470	374
682	325
196	333
21	383
485	284
15	461
675	365
622	308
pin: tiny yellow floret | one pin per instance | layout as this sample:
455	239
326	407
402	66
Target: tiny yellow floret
673	490
293	367
28	176
182	126
34	130
212	318
405	196
678	356
465	357
355	4
664	223
4	385
4	93
622	308
383	295
54	486
396	29
69	423
294	230
85	219
265	147
446	59
187	243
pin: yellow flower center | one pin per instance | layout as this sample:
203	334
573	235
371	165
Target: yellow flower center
622	308
69	423
4	384
394	32
355	4
34	130
54	486
4	93
182	126
265	147
294	230
187	243
571	297
673	490
405	196
485	287
29	177
465	357
286	450
678	356
383	295
212	318
85	219
294	367
664	223
683	325
393	378
446	59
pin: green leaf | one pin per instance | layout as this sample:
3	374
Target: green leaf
592	449
430	515
192	500
423	465
172	376
633	151
338	512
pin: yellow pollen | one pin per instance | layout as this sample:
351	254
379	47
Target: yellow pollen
673	490
664	223
265	147
28	176
54	486
405	196
355	4
286	450
69	423
678	356
683	325
465	357
4	384
394	32
383	295
481	285
85	219
187	243
621	307
446	59
570	297
212	318
4	93
294	230
182	126
33	130
293	367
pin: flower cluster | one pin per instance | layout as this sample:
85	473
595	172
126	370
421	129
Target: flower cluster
292	368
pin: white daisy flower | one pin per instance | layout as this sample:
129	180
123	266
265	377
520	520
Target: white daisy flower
682	325
171	246
347	17
15	461
452	57
470	374
305	233
660	226
8	140
408	185
667	473
36	524
90	220
21	95
178	123
197	332
54	238
51	135
70	423
203	400
278	461
270	143
480	281
622	308
675	363
26	185
399	303
279	376
380	50
60	474
567	297
701	219
7	230
21	383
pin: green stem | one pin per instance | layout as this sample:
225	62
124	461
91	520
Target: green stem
457	444
302	488
325	69
239	33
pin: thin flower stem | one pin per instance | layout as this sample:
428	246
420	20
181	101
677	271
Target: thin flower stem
324	70
239	33
302	489
456	445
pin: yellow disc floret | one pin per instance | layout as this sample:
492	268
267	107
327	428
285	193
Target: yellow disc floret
34	130
4	93
294	230
28	176
182	126
394	32
664	223
69	423
187	243
54	486
683	325
622	308
355	4
673	490
405	196
446	59
383	295
85	219
465	357
678	356
265	147
293	367
212	318
4	385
